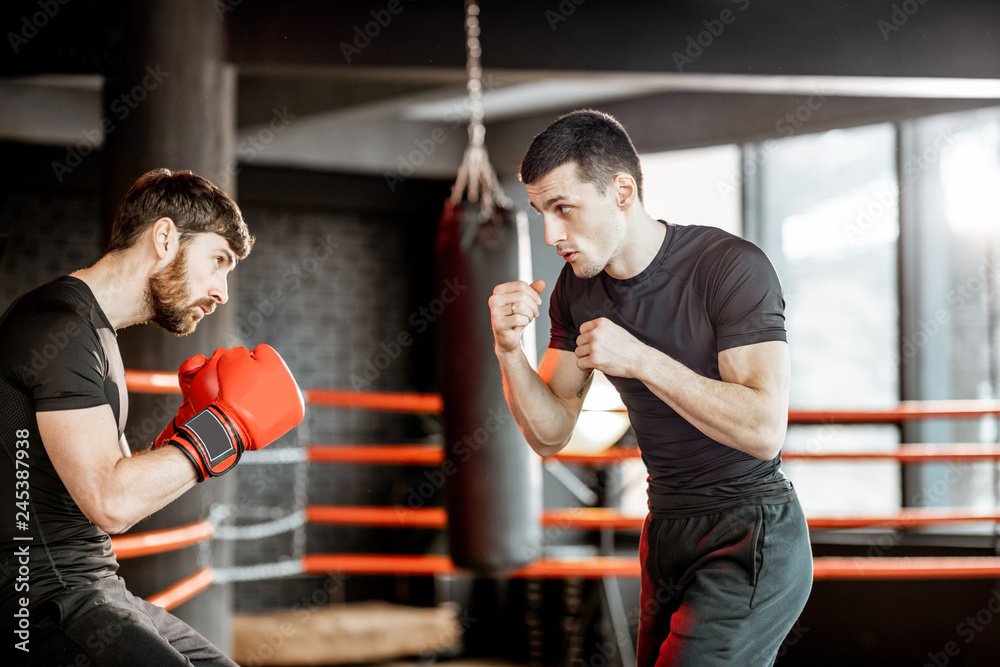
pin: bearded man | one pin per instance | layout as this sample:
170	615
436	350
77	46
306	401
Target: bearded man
69	474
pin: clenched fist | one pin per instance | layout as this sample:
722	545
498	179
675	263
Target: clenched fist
513	306
604	346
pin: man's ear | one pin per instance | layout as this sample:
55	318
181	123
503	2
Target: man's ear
165	237
626	190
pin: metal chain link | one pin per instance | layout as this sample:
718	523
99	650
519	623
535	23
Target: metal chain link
475	174
474	72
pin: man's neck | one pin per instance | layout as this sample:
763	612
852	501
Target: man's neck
119	284
643	239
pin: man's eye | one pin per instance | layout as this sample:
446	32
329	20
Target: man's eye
564	209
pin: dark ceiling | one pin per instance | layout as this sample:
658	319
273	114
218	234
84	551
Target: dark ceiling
355	69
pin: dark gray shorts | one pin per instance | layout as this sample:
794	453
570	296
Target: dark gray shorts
722	589
103	624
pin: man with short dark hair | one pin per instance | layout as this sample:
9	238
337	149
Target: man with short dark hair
63	407
691	333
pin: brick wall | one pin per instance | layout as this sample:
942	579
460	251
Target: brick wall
50	234
332	291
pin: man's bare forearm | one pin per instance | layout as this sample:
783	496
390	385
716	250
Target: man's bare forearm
145	483
746	409
546	421
732	414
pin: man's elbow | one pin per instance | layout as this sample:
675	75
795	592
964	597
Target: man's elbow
548	447
548	438
768	440
109	519
547	450
114	525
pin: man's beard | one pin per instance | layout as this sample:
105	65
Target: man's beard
169	298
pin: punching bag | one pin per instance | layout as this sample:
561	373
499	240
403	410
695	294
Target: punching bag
493	478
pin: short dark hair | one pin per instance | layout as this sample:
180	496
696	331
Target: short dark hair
194	203
594	140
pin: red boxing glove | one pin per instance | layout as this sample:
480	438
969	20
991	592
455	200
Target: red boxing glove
241	400
185	375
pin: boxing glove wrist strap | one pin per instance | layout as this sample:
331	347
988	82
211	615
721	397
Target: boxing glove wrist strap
211	441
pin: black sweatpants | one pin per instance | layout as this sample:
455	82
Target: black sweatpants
722	589
103	624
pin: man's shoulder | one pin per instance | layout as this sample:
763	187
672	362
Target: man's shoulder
64	297
67	293
59	309
710	239
714	248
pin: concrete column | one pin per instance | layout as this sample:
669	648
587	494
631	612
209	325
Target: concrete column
924	284
172	104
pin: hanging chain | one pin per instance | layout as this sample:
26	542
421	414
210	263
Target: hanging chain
474	71
475	172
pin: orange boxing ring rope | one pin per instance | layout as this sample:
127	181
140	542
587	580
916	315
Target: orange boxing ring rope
922	453
904	411
155	382
161	541
388	454
586	518
434	455
826	568
184	590
376	400
600	518
960	567
152	382
392	517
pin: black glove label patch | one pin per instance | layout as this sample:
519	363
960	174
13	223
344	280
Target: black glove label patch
213	435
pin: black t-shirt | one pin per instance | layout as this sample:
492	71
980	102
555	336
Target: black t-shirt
57	352
705	291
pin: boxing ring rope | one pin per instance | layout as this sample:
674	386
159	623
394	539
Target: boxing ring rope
408	565
598	518
162	541
155	382
582	518
401	402
826	568
185	589
903	411
391	454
